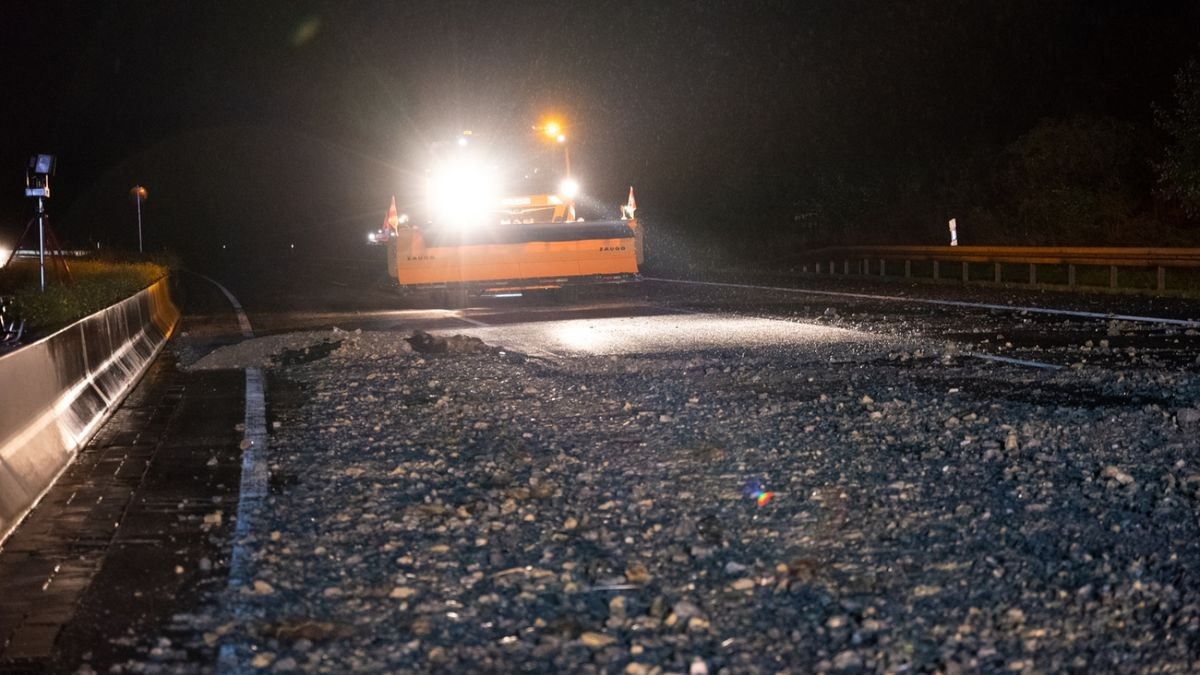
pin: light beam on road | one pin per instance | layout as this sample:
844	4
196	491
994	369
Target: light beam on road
663	333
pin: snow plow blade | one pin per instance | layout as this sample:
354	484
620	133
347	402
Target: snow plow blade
516	256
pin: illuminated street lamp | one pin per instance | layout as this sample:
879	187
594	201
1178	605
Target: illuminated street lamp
554	130
139	195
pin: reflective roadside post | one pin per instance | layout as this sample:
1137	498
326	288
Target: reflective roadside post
139	194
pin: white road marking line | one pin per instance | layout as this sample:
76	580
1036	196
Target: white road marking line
473	322
527	350
1015	362
1189	323
243	321
254	481
254	469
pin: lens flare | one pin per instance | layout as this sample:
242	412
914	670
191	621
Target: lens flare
306	31
754	490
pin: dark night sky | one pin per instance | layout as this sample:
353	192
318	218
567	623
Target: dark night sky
262	122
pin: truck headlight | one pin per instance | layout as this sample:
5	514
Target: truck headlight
568	188
463	194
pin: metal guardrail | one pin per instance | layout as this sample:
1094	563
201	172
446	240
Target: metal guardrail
59	389
71	253
873	260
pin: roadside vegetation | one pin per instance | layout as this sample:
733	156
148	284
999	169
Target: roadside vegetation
92	285
1073	177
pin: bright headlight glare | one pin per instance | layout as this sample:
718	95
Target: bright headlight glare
462	194
568	188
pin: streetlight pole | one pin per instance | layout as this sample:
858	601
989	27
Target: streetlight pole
139	193
554	130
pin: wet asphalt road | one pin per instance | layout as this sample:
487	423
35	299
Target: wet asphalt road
195	415
353	294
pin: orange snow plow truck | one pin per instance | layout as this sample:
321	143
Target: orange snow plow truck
492	225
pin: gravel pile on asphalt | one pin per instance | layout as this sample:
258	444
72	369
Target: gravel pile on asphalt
288	349
1018	333
926	511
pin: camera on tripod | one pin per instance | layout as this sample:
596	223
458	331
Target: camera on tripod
37	176
37	186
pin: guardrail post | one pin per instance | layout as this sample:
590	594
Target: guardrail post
1071	276
966	275
818	268
996	272
936	275
882	267
1161	282
907	269
1032	274
846	267
832	269
1112	276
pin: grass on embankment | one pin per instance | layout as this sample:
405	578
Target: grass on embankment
94	285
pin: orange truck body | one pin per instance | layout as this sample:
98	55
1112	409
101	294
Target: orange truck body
516	255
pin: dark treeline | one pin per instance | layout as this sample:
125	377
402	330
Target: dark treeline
1082	181
1030	123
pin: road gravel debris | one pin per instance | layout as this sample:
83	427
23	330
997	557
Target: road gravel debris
486	511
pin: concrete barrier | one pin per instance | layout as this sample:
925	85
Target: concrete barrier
55	393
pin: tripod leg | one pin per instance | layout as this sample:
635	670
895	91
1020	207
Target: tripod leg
20	241
57	255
